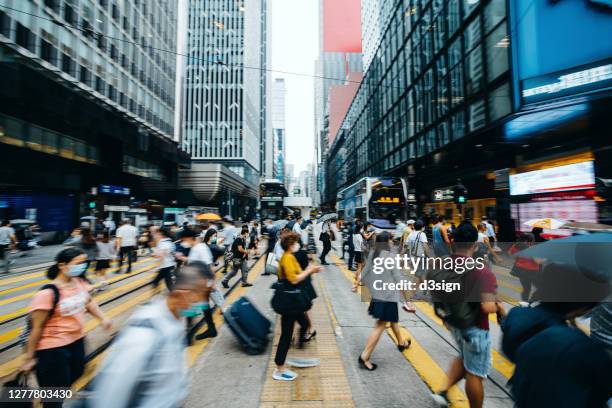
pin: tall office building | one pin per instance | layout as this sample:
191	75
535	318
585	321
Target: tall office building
87	100
225	116
278	128
375	15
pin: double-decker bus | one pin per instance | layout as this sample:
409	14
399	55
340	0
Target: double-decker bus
271	195
379	200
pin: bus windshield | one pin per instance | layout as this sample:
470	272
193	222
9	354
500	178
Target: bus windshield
386	202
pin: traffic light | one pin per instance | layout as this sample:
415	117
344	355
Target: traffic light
460	193
92	205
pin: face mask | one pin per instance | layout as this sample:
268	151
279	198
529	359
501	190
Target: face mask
185	244
77	270
213	240
200	306
192	311
295	248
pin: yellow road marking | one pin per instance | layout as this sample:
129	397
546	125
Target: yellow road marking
112	280
425	366
14	334
32	275
9	367
500	363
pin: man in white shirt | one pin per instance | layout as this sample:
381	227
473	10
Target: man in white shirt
7	239
164	250
200	252
127	236
110	226
490	232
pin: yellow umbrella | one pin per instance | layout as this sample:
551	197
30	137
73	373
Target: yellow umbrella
546	223
208	217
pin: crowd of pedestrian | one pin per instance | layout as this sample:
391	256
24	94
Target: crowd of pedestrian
539	337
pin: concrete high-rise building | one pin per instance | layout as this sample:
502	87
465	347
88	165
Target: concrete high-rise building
87	100
278	128
225	115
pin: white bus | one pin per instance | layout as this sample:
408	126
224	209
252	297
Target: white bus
378	200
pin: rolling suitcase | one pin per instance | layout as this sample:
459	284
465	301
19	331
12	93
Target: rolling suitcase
250	327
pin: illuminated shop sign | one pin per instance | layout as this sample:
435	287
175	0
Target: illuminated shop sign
271	198
567	83
577	176
110	189
443	194
388	200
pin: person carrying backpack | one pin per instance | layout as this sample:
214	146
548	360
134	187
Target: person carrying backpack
240	256
55	345
466	315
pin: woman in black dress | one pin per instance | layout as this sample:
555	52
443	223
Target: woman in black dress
384	304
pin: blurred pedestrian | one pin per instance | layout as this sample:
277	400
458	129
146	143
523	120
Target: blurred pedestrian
358	246
87	243
441	243
350	246
384	303
468	323
164	251
418	249
526	269
326	241
290	271
55	346
106	253
126	243
254	239
484	246
146	365
555	365
240	257
227	234
7	241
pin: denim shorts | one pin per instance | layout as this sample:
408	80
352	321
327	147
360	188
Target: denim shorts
475	349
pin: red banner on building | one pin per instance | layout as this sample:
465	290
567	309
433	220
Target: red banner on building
342	25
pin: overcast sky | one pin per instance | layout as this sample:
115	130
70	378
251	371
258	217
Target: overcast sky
295	48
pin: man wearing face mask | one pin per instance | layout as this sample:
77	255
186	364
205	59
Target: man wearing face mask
240	256
147	364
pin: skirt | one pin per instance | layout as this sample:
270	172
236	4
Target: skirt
384	311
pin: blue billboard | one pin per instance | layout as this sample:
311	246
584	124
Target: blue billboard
560	48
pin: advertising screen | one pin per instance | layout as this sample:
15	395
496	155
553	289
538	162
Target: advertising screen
559	48
577	176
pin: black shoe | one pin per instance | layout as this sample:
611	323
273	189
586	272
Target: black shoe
362	364
207	334
246	285
402	347
224	284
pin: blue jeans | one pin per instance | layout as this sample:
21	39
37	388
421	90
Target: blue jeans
474	348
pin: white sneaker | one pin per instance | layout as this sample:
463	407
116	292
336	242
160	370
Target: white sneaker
440	399
304	362
285	375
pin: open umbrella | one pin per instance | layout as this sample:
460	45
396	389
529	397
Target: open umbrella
208	217
546	223
590	253
327	217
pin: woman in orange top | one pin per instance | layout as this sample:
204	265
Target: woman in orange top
289	268
55	343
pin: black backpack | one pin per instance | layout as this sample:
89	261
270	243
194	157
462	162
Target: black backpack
25	333
454	307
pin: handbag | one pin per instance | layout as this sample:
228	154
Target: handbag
20	381
289	298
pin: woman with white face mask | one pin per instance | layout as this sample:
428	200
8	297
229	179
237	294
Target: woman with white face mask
55	345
